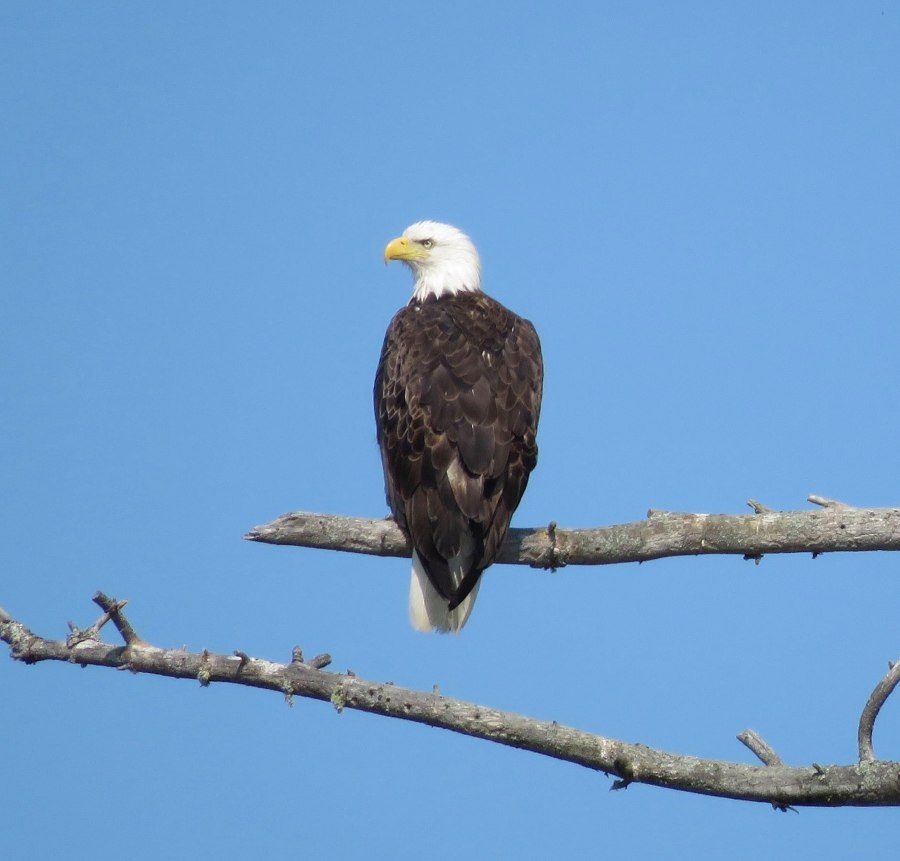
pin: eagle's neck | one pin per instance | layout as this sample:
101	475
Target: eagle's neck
460	275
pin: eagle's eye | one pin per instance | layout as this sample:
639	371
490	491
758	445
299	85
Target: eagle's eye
427	243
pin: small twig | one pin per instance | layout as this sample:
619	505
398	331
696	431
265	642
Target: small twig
763	750
114	609
876	700
92	632
825	502
316	663
758	507
754	741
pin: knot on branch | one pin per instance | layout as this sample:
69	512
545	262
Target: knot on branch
553	556
19	638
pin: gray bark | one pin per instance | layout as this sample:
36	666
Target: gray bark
833	527
863	784
829	529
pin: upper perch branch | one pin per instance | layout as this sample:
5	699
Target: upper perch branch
834	527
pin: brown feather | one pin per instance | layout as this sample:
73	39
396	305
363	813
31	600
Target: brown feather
457	402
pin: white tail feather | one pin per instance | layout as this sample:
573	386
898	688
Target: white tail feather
428	611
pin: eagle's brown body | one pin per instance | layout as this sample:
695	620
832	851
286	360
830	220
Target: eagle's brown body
457	401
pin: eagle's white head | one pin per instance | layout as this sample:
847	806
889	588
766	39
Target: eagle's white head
442	258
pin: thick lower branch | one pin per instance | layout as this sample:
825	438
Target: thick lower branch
662	534
866	784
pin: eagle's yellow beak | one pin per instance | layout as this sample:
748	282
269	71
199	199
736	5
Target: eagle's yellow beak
402	249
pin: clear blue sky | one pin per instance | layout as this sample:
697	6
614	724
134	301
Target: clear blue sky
696	204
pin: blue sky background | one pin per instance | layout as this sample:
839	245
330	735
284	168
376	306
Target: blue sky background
696	204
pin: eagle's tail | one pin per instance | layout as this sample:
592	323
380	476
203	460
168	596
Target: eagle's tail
428	610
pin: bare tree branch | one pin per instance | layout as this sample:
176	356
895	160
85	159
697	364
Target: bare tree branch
834	527
876	700
863	784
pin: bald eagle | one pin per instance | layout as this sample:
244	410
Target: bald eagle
457	401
